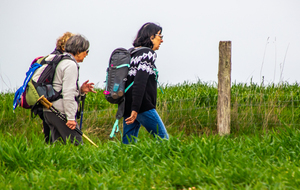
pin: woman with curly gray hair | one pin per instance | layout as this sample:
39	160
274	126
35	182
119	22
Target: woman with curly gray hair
66	80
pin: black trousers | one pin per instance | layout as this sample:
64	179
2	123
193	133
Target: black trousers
59	129
46	128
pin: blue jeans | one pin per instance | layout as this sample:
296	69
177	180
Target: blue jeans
150	120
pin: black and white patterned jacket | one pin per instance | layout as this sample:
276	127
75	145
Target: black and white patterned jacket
141	96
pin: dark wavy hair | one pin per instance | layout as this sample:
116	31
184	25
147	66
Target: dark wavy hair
143	36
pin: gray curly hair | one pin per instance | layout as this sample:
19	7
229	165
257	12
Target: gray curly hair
77	44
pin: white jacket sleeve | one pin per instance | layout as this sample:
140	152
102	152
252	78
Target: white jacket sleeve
70	89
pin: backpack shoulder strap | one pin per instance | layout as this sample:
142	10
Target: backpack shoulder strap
133	50
54	58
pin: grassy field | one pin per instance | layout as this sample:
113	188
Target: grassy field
262	151
208	162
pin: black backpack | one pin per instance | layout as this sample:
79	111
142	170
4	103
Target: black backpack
116	77
40	83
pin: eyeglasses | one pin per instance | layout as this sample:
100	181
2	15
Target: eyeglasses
161	36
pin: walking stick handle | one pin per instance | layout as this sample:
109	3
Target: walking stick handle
45	102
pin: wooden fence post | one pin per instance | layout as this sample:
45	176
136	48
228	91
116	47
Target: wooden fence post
224	87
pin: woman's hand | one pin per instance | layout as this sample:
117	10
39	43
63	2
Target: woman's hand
87	87
71	124
132	118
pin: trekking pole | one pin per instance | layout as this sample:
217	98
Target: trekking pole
48	105
82	107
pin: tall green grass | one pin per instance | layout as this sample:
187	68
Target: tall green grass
261	152
187	107
208	162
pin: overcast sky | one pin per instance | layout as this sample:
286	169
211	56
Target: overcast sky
265	36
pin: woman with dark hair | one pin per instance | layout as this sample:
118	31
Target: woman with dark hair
66	80
140	99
